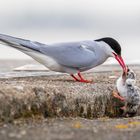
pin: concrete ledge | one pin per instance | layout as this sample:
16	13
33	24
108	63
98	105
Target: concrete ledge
51	96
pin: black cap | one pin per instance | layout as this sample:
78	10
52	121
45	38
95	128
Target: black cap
112	43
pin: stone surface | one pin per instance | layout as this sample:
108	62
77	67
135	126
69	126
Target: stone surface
41	105
72	129
59	96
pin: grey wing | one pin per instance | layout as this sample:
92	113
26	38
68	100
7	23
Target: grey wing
71	55
67	54
134	95
138	92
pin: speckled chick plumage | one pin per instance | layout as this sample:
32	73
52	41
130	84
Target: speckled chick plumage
126	88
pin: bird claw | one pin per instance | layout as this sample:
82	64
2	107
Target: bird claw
123	108
116	95
82	80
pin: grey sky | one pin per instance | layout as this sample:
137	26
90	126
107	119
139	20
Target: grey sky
67	20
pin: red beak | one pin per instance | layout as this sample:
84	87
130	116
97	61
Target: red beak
121	62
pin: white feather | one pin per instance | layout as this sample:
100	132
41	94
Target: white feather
121	87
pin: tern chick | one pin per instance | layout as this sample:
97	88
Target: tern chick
128	92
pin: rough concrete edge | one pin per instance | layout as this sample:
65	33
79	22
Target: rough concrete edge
56	104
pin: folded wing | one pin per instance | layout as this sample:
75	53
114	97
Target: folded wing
74	55
71	55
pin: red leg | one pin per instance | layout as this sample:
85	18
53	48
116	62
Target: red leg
82	79
116	95
123	108
76	79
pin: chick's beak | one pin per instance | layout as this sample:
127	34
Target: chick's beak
121	62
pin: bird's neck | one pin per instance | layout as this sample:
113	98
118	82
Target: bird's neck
121	82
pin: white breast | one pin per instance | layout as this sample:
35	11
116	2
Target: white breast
121	87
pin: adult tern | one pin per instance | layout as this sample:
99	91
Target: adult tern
69	57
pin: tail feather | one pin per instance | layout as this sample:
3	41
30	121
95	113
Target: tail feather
20	44
33	49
